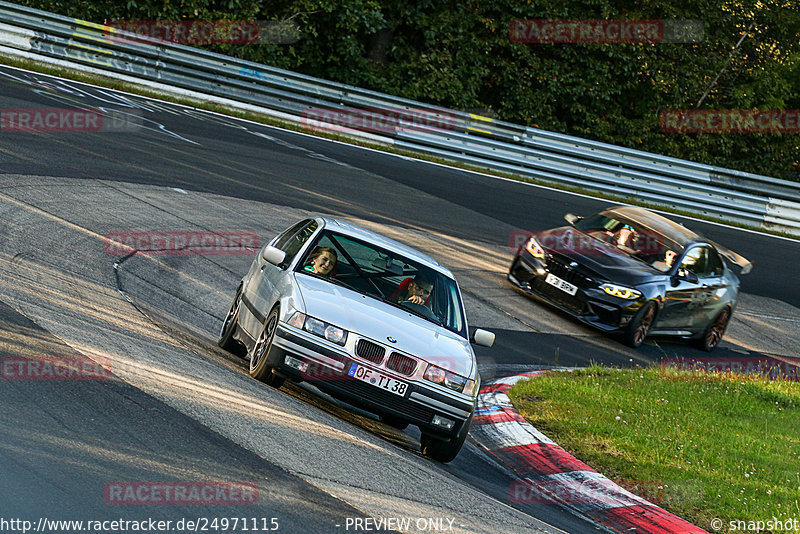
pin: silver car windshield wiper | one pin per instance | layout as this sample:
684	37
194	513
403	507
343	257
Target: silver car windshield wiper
432	317
333	281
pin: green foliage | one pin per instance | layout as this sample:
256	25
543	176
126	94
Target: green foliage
459	54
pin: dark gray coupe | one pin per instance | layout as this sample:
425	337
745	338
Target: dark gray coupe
629	271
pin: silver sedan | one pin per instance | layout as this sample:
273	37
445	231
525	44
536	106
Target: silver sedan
366	319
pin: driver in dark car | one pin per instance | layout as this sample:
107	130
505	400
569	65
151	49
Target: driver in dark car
417	291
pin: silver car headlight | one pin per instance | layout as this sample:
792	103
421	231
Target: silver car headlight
437	375
319	327
622	292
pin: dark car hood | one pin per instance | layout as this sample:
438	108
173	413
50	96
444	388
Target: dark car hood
595	257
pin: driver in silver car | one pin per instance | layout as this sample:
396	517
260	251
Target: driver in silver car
418	290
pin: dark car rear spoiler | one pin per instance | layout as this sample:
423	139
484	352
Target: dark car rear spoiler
736	259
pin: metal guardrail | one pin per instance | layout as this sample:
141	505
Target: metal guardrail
458	136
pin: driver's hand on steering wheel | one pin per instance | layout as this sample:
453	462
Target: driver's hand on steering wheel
416	299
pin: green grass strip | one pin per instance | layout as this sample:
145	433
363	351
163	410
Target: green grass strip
701	445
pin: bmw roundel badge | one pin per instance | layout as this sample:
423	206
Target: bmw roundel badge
391	339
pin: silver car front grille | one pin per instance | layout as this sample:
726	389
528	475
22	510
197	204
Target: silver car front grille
401	363
370	351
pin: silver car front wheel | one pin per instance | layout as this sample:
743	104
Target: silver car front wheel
259	368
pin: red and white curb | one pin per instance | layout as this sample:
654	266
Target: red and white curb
550	475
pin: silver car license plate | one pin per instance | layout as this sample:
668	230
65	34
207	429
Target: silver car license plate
365	374
563	285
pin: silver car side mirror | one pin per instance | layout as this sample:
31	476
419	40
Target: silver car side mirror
572	218
273	255
484	338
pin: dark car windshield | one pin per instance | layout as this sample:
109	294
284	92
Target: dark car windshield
633	238
388	276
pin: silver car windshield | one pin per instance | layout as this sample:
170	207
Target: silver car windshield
387	276
637	240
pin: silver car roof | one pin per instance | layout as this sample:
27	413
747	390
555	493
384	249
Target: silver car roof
358	232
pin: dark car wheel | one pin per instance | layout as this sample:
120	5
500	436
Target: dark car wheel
637	329
714	331
226	340
259	369
444	450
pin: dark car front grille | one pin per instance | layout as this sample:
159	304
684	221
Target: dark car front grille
571	275
370	351
574	304
401	363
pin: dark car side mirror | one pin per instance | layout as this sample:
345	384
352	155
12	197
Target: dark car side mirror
684	274
572	218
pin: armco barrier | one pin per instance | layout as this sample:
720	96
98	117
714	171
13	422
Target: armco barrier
551	157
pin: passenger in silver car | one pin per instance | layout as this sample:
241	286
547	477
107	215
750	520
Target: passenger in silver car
322	261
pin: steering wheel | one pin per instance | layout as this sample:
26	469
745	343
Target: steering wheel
421	309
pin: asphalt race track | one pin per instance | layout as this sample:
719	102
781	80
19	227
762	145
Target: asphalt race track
178	408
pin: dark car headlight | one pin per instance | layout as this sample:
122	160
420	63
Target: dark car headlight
534	248
319	327
622	292
437	375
